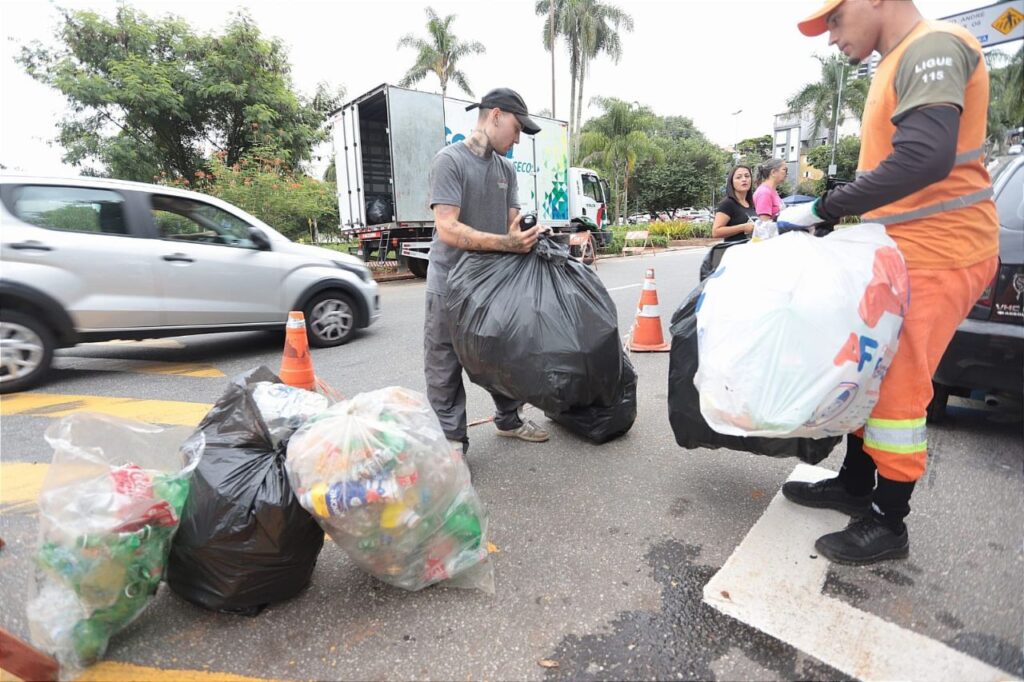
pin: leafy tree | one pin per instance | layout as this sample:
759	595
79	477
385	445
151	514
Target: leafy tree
590	28
687	176
151	96
440	54
847	154
756	148
1006	95
263	184
820	98
617	140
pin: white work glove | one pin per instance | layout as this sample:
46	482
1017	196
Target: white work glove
801	215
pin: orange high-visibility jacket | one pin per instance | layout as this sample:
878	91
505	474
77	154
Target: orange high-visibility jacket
953	222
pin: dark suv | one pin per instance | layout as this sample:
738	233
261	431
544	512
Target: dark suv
987	352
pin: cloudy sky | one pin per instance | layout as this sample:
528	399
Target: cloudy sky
704	59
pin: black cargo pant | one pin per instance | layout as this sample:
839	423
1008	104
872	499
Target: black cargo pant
445	390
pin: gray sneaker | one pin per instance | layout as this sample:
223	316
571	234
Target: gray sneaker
528	432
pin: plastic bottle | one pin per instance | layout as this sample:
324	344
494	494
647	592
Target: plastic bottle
334	500
463	524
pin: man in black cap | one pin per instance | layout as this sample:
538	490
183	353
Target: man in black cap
475	199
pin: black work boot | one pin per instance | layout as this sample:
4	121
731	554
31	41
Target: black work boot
849	492
878	537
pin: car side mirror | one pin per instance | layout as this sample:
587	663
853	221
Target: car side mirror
260	239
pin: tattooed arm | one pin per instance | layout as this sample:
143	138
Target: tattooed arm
462	236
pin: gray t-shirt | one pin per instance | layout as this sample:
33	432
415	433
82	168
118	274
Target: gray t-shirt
484	189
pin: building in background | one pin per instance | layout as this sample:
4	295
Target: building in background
793	135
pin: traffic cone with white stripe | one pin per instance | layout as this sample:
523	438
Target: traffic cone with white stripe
646	335
296	364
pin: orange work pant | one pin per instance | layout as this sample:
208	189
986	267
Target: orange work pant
895	436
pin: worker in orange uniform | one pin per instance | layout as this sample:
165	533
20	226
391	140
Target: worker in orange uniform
921	173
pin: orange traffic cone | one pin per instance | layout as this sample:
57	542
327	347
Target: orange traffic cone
296	364
646	333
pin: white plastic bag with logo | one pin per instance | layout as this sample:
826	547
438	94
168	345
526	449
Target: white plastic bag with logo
796	333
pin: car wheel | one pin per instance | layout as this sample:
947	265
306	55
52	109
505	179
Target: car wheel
330	319
26	351
937	407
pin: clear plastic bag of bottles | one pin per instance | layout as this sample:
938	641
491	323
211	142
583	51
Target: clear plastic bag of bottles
108	508
379	476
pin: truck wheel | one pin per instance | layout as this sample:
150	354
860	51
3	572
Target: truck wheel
418	266
937	407
330	319
26	351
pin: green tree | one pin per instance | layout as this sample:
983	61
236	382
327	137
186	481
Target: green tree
820	99
1006	95
756	147
590	28
151	95
687	175
262	183
616	141
440	54
847	154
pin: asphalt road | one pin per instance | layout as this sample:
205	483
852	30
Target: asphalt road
602	550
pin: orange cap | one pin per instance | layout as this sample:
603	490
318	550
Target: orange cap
817	23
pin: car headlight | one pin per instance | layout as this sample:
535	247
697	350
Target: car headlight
360	271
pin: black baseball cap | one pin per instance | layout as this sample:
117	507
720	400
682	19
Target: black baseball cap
508	100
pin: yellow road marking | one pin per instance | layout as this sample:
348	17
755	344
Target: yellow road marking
182	369
112	671
19	485
58	405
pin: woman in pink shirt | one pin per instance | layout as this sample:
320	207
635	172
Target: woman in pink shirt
770	175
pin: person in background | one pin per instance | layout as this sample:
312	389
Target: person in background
734	217
767	201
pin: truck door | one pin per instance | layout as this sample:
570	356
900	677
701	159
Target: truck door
591	196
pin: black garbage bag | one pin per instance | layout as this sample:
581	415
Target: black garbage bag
244	539
602	424
688	423
378	209
537	327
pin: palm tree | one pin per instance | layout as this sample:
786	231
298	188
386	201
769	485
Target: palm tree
599	26
565	18
590	28
819	99
1006	95
618	141
439	55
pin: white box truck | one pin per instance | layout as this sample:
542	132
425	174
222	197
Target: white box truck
384	142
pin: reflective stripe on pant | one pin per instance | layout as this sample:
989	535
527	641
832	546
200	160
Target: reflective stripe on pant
443	372
895	434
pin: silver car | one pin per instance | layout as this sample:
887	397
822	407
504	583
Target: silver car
89	259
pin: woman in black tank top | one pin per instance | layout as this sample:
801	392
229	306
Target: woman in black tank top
734	217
